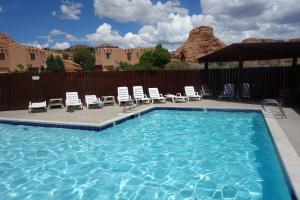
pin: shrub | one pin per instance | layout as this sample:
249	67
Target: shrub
154	59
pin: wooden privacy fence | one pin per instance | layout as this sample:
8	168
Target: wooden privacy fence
16	90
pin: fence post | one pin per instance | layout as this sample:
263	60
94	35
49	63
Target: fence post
240	76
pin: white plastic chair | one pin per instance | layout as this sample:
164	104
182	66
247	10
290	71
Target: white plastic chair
73	100
123	95
93	100
138	94
191	94
155	96
246	90
37	105
228	91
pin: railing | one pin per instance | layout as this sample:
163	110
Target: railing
16	90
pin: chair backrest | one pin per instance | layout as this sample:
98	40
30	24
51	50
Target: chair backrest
189	90
228	89
138	92
72	97
123	94
153	92
246	90
90	98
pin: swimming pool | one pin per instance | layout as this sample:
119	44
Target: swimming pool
163	154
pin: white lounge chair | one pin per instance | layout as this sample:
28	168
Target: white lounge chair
228	91
37	105
91	100
73	100
246	90
155	96
191	94
138	95
123	95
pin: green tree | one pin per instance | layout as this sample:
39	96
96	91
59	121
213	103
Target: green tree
177	65
60	64
55	64
85	58
155	59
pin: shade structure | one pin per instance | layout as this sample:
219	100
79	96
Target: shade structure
254	51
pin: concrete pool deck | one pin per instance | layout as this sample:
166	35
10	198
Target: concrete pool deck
284	131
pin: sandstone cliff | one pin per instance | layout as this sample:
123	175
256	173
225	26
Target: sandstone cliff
201	41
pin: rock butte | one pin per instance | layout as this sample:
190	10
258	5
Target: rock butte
201	41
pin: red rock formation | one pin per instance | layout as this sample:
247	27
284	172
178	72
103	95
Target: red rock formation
201	41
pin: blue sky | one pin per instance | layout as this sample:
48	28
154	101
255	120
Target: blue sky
138	23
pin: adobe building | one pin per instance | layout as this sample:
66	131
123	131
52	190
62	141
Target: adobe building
108	55
13	54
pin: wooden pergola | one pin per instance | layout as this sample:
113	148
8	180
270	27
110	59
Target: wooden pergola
242	52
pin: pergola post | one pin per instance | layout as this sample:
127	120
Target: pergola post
206	72
240	76
294	63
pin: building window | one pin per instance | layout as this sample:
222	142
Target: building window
129	56
32	56
2	56
108	56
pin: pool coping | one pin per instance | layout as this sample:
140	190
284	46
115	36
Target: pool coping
286	152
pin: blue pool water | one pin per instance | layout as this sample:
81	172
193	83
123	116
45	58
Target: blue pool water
164	154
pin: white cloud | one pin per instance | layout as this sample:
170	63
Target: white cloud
36	44
238	19
170	24
55	34
61	45
1	8
171	33
137	10
69	10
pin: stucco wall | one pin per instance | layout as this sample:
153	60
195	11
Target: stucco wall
118	55
21	55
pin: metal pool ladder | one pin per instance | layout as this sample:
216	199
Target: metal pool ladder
273	102
129	105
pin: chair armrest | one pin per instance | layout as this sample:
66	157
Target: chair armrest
178	94
161	95
196	93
